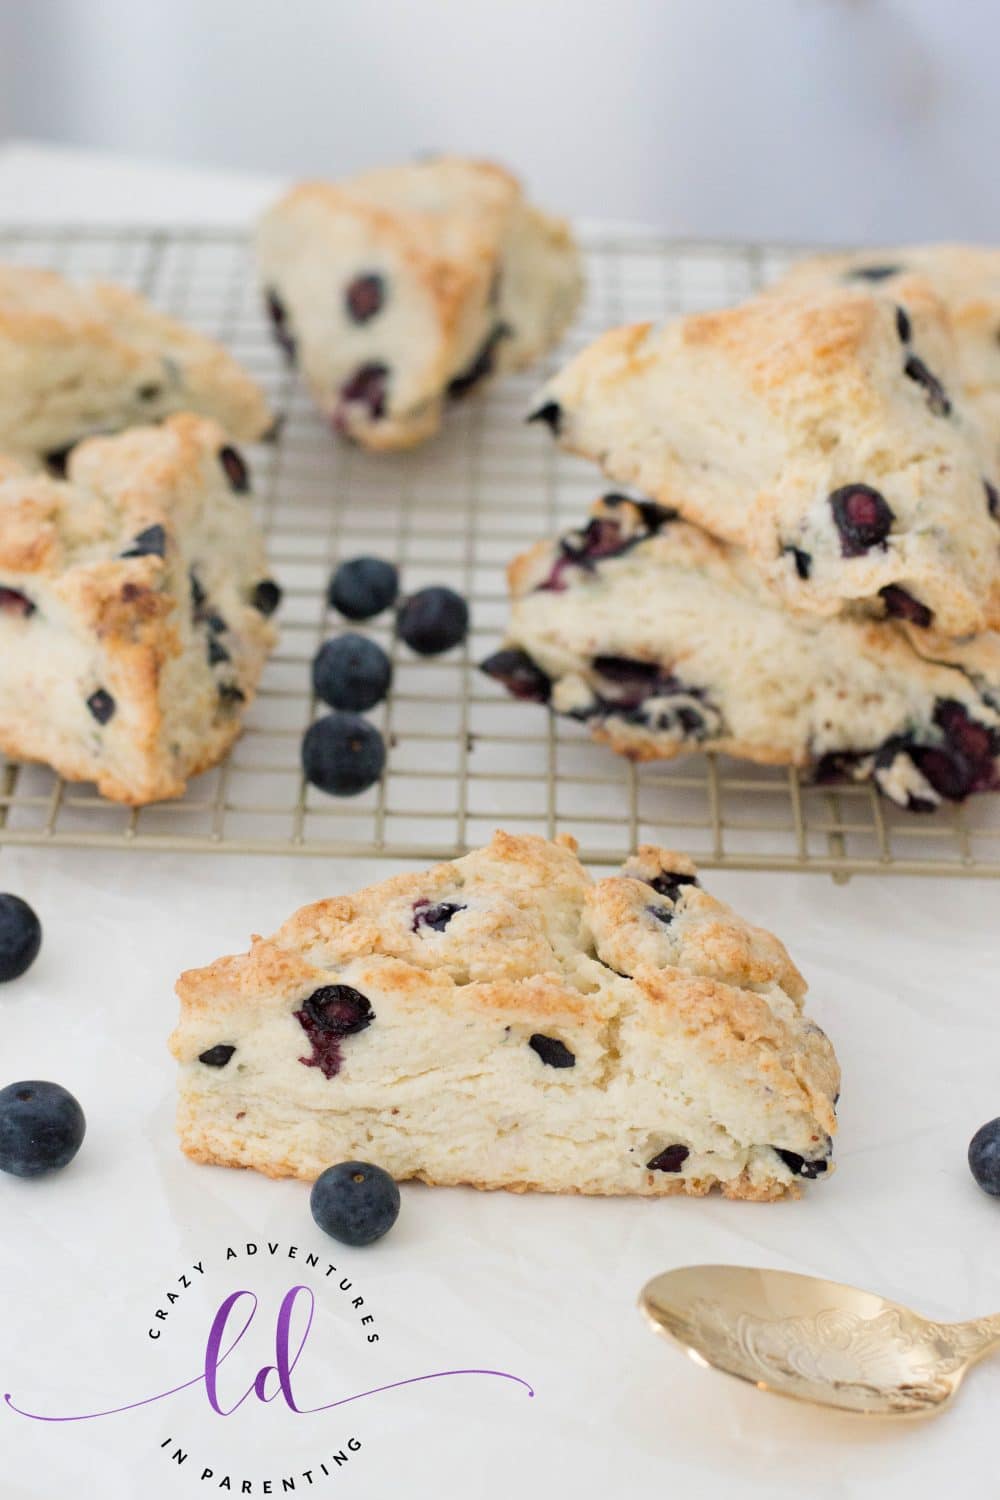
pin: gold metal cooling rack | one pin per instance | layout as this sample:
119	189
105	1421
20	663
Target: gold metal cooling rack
463	758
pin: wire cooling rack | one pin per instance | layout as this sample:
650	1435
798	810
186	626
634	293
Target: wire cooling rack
463	758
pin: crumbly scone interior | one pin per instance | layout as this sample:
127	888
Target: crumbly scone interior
683	1025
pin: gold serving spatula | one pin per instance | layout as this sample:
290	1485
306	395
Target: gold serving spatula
816	1340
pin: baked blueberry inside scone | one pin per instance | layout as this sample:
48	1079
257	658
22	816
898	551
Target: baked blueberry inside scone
506	1021
662	640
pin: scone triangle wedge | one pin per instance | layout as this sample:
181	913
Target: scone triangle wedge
506	1021
826	433
134	609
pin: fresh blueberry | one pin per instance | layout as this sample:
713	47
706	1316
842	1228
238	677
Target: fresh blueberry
218	1056
354	1202
364	297
984	1157
434	915
343	754
862	517
351	672
551	414
522	677
41	1128
236	470
101	705
902	605
13	602
553	1052
20	937
433	620
903	326
363	587
266	597
670	1159
149	543
937	399
368	388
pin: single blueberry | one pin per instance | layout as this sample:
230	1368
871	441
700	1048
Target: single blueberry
41	1128
354	1202
236	470
230	696
984	1157
364	297
351	672
551	414
218	1056
149	543
662	914
902	606
670	1159
101	705
363	587
433	620
216	651
343	754
522	677
57	459
20	937
803	1166
368	388
670	883
266	597
339	1008
802	560
862	517
434	915
13	602
553	1052
937	399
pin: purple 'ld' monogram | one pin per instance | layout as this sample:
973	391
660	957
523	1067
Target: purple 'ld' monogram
277	1376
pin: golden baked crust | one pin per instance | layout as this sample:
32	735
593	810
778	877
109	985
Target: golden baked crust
82	359
129	640
530	1028
759	421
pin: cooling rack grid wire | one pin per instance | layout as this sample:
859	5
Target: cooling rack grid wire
463	758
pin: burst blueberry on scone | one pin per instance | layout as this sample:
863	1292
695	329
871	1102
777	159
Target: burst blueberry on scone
825	433
967	280
662	641
76	360
135	609
403	288
505	1021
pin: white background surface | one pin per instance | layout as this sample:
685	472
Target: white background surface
839	120
903	978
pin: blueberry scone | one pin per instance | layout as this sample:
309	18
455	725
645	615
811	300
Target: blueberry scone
507	1022
967	280
78	360
663	640
134	609
826	434
405	287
